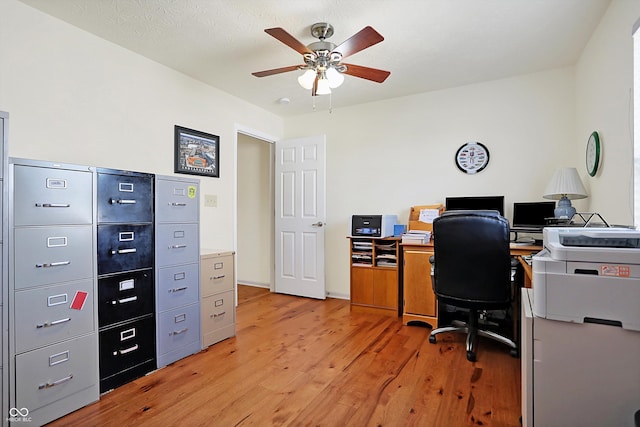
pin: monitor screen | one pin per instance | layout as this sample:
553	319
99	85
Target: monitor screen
532	215
494	203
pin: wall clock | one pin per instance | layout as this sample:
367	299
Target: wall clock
593	153
472	157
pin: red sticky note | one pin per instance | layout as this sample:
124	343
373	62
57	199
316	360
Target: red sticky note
78	300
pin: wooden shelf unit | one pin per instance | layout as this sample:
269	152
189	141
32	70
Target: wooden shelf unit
375	275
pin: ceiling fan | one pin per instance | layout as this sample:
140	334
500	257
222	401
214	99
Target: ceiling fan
323	64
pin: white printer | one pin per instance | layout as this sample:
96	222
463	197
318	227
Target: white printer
580	330
590	274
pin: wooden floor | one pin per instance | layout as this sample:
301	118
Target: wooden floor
302	362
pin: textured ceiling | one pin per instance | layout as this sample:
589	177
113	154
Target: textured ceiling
429	44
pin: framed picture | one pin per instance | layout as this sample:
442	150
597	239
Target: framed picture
196	153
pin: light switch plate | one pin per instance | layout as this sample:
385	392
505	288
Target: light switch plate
210	200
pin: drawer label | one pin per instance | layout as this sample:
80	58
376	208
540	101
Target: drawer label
56	183
125	187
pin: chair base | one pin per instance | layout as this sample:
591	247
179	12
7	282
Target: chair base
473	332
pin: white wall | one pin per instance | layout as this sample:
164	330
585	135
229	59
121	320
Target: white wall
255	212
387	156
75	98
604	82
79	99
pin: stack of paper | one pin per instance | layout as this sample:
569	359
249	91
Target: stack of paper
416	236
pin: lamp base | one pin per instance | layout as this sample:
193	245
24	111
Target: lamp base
564	209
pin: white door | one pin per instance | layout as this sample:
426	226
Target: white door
299	217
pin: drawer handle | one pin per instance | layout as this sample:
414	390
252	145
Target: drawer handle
122	201
55	383
177	246
123	251
178	289
53	205
126	350
54	323
125	300
217	314
53	264
217	277
178	204
181	331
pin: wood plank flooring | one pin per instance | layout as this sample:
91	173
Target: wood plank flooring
302	362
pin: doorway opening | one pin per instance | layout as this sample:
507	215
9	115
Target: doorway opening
254	211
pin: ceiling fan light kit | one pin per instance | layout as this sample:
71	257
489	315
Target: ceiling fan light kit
323	69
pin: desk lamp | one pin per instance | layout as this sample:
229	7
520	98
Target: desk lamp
564	187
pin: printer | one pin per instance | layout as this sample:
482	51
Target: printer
580	329
588	274
373	225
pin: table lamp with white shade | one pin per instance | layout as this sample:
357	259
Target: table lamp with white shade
565	185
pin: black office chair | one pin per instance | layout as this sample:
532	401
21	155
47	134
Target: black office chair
472	270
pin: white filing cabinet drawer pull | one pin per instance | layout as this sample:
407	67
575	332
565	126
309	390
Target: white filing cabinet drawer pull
53	264
55	383
53	205
54	323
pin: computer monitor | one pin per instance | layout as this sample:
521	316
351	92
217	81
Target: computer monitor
494	203
531	216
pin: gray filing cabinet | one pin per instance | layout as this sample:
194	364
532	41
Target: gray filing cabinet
177	268
217	290
4	333
53	352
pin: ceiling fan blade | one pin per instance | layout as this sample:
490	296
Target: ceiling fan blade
361	40
288	39
372	74
266	73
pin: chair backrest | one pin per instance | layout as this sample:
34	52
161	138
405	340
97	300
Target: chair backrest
472	258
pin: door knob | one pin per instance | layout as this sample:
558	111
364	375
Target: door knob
317	224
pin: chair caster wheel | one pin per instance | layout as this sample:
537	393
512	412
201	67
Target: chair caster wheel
471	356
514	353
432	339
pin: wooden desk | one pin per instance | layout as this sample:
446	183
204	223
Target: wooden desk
420	303
528	271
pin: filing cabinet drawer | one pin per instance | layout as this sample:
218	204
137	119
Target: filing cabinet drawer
124	197
216	274
177	243
177	286
126	346
54	372
124	247
44	196
125	296
218	311
178	327
177	201
50	314
45	255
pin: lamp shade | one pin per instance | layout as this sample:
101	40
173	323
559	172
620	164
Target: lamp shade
306	80
565	183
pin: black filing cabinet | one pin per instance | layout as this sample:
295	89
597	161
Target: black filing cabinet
126	310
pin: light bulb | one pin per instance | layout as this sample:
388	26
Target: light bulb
323	87
306	80
335	77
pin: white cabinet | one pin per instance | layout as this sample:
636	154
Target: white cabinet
52	283
177	268
217	287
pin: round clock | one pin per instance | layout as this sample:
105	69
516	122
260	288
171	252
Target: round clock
593	153
472	157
